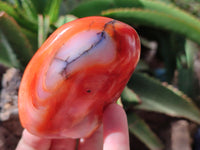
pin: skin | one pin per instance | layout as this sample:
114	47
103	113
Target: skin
112	135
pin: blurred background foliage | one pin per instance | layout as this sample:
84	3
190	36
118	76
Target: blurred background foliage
167	78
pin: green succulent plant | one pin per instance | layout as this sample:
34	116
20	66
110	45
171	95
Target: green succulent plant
25	24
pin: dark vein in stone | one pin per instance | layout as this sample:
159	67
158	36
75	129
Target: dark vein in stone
101	35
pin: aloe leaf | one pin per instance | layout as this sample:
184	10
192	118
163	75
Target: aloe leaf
142	66
157	20
176	47
16	3
170	45
186	77
142	131
29	8
52	9
159	6
20	44
129	3
119	102
129	97
39	5
18	15
32	37
7	56
9	9
24	21
163	98
43	28
167	52
186	81
91	8
64	19
191	50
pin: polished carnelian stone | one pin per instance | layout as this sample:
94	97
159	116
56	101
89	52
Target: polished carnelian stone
80	69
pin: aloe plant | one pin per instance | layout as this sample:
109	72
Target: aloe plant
10	31
142	131
25	24
31	23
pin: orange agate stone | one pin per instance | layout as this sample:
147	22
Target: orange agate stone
80	69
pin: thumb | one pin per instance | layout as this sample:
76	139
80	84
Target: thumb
32	142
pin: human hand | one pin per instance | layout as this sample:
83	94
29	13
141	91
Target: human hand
112	135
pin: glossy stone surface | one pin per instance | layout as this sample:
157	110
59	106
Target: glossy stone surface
80	69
